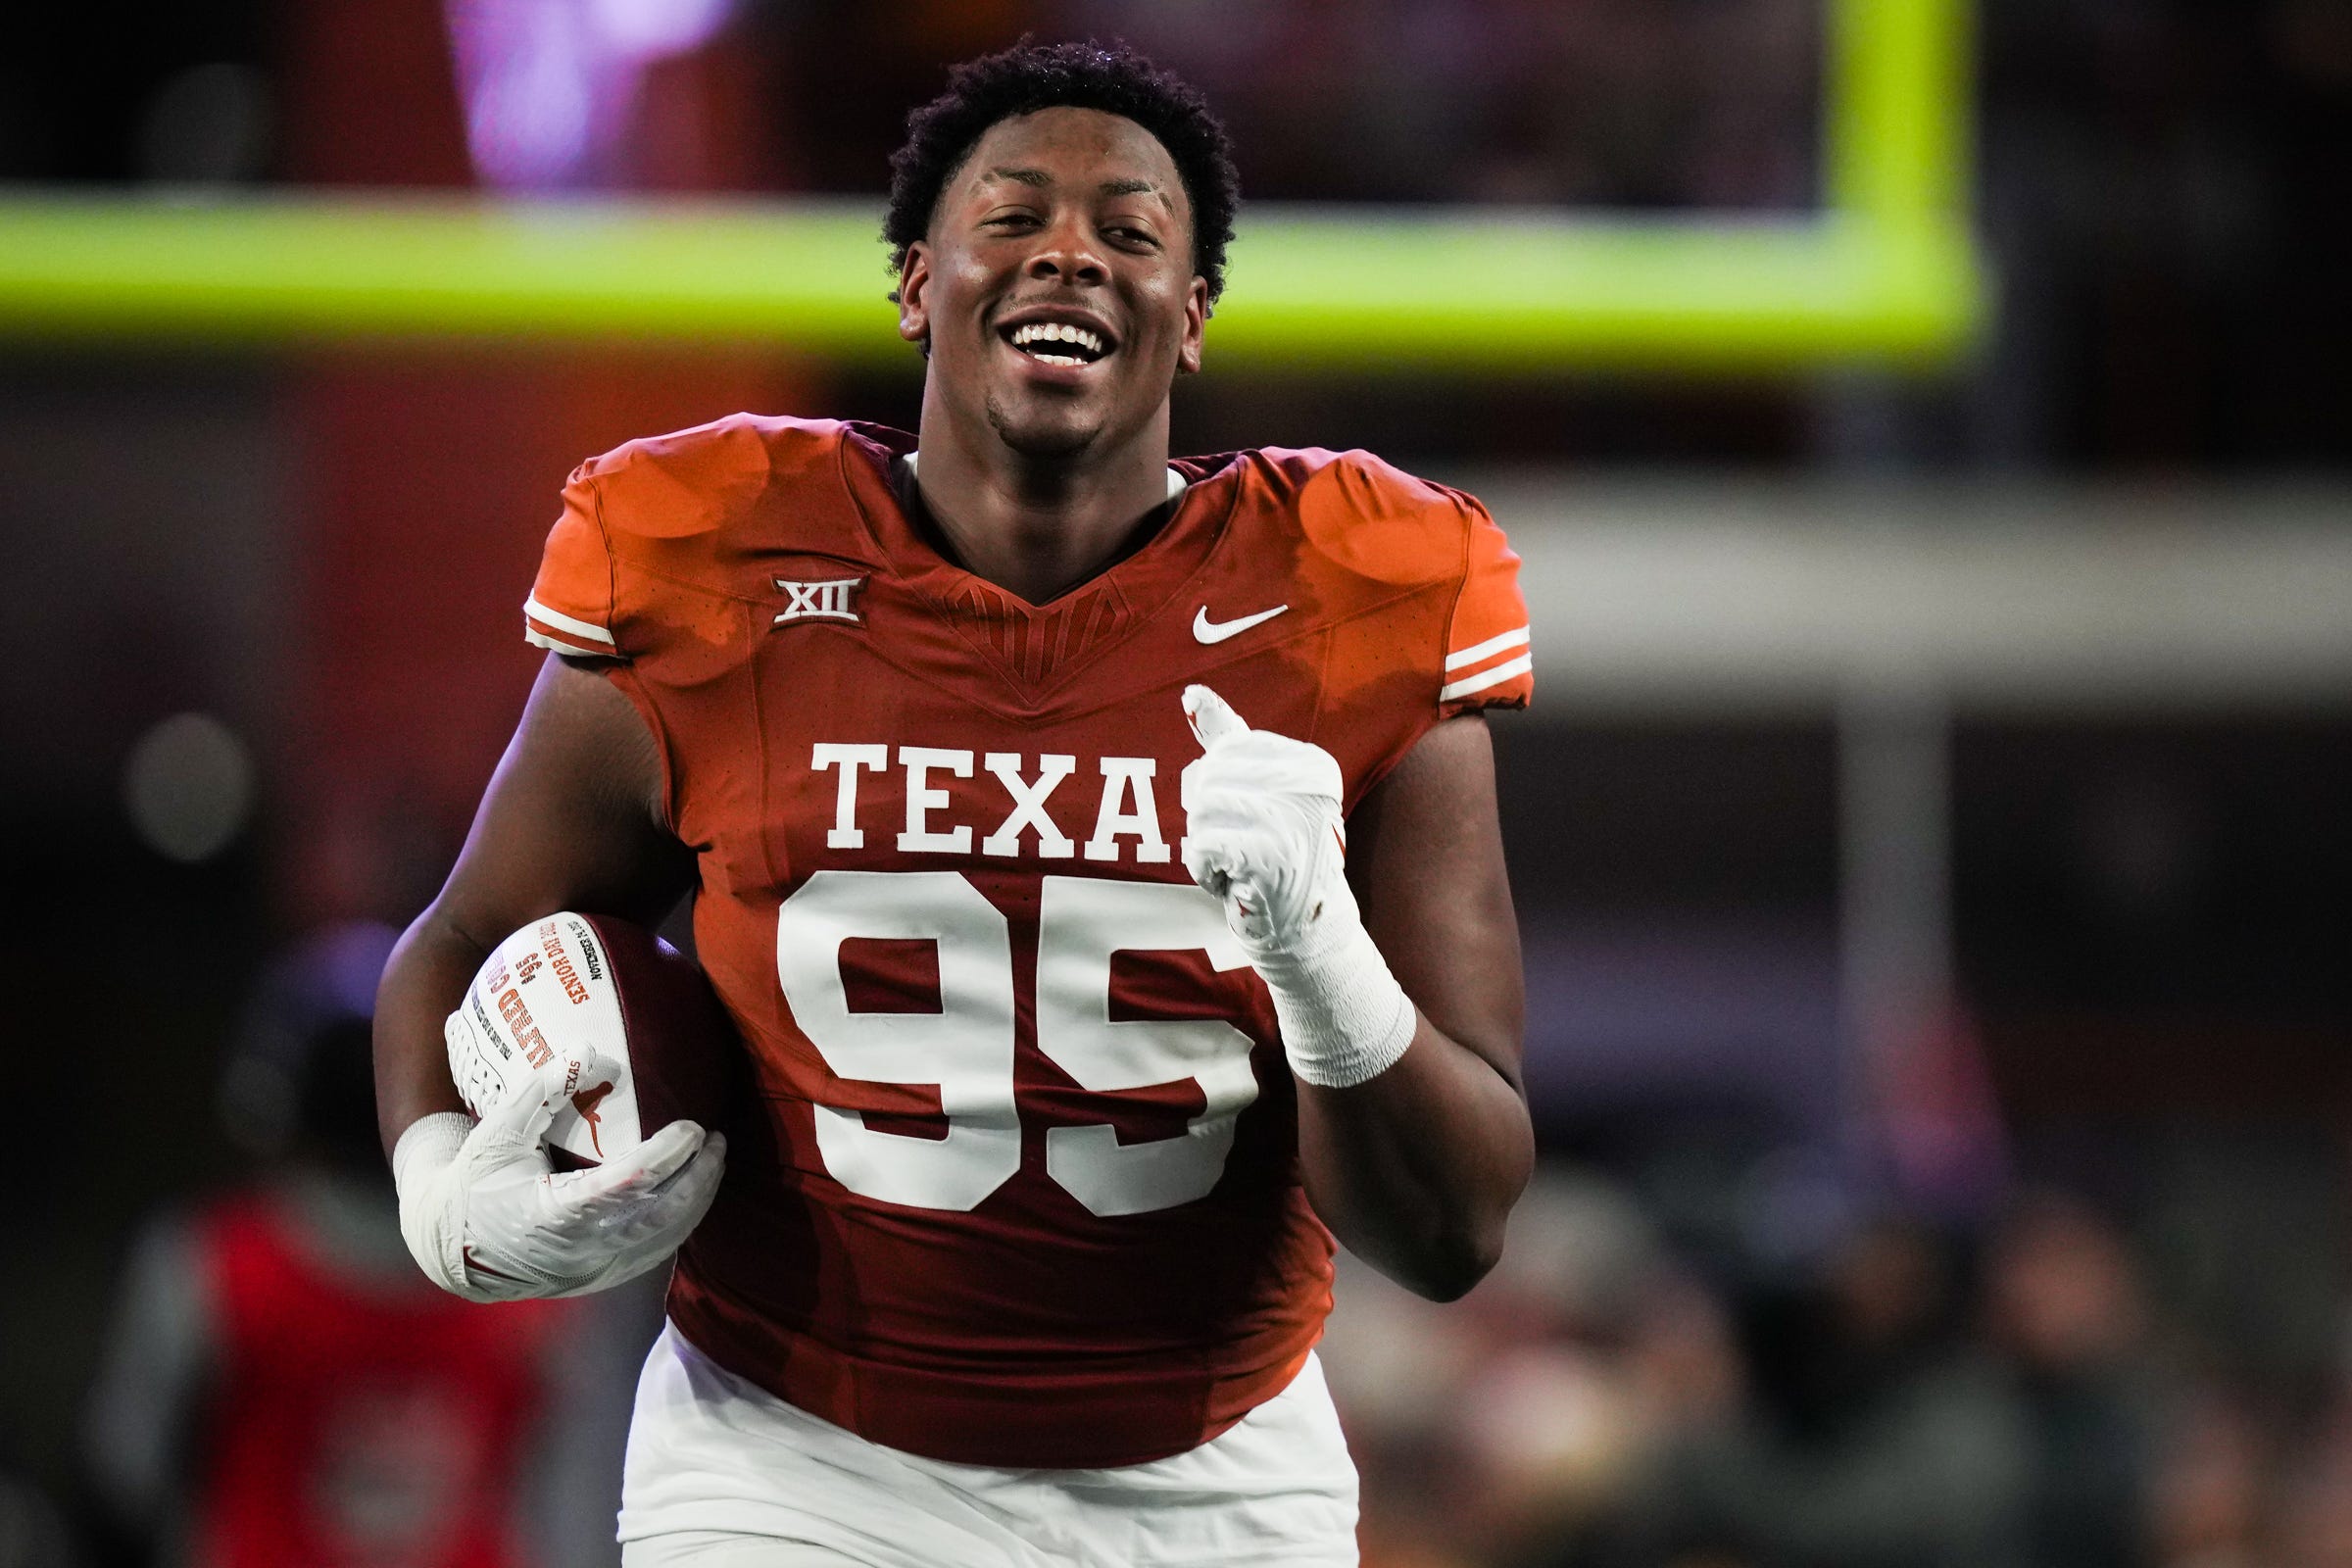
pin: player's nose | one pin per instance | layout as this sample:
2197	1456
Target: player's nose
1066	250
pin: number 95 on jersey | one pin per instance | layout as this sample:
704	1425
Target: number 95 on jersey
837	918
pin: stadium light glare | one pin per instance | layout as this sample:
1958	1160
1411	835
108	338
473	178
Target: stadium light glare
1886	271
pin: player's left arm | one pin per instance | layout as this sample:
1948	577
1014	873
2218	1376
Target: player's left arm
1416	1168
1390	950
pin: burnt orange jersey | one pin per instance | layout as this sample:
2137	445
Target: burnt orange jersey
1022	1188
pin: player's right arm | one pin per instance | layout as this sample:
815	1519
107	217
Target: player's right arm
573	819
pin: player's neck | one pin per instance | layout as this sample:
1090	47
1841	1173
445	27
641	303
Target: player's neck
1039	529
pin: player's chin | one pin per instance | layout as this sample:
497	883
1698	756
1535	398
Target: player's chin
1045	427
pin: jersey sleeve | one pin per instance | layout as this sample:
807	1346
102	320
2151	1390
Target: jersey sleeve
570	609
1488	661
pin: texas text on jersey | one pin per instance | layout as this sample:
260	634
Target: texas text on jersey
1022	1186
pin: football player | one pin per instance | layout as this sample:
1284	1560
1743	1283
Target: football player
1097	853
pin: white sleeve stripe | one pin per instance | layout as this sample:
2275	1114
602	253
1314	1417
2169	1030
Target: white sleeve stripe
559	621
1486	678
1491	645
556	644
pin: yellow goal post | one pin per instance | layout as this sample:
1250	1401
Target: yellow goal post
1886	270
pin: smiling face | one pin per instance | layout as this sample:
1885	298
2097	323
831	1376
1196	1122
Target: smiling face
1056	285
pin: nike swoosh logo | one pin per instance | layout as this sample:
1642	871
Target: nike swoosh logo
1216	631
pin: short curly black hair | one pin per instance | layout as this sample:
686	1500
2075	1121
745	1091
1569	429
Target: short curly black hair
1030	77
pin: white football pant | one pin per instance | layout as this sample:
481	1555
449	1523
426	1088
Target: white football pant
723	1474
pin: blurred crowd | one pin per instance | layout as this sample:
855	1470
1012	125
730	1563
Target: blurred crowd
2014	1397
278	1384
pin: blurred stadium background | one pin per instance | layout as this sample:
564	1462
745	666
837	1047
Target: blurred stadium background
1926	430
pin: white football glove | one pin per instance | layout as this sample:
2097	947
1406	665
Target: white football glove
487	1217
1264	833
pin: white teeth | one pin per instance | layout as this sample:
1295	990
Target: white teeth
1056	332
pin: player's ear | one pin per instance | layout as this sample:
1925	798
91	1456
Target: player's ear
1196	325
915	283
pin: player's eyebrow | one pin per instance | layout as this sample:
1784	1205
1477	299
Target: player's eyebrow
1038	178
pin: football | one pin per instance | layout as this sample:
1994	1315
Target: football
622	1021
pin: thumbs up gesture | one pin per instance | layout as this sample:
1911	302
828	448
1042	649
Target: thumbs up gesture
1264	833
